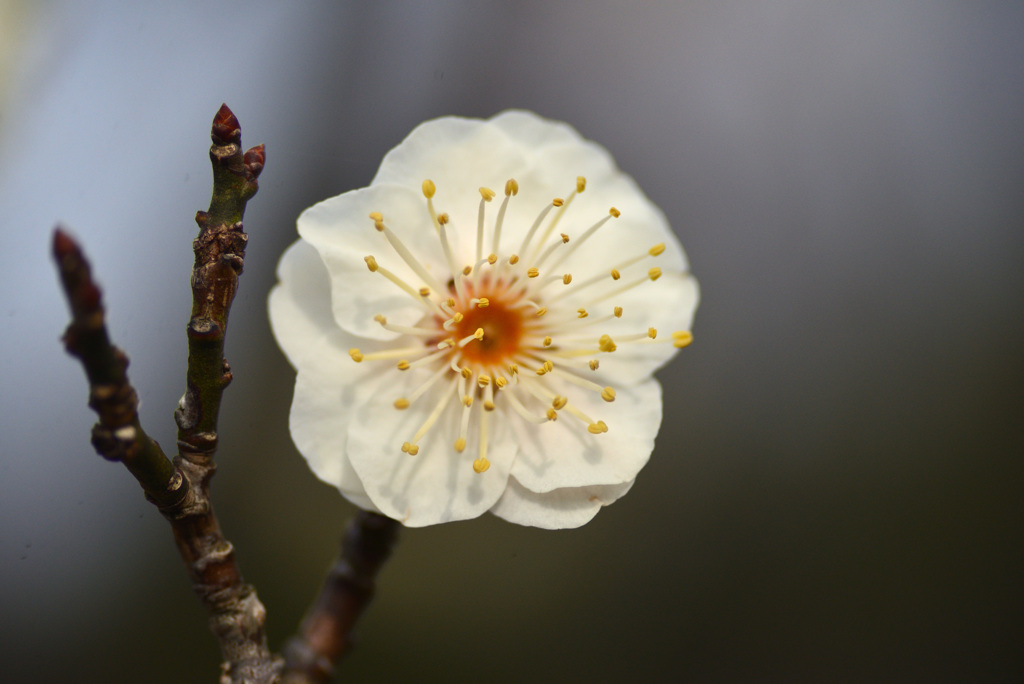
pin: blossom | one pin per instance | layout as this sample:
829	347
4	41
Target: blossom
477	329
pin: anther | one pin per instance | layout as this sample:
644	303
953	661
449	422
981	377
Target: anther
581	313
594	364
356	355
442	219
424	292
597	428
606	344
681	338
656	249
558	201
608	394
403	365
480	465
467	400
500	382
429	188
541	311
401	404
413	449
532	272
565	238
466	373
617	311
487	194
514	259
567	278
492	259
483	303
559	402
376	216
466	270
460	443
551	414
615	274
381	318
483	380
581	183
654	273
652	333
615	212
371	263
511	187
547	341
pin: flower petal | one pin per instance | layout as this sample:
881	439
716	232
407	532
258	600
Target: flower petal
325	394
438	484
342	232
557	509
563	453
320	417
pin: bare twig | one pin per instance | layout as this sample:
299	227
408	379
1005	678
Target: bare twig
325	635
181	489
236	614
117	436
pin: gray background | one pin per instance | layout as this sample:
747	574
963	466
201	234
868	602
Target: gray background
836	490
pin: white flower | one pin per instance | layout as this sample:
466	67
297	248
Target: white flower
461	349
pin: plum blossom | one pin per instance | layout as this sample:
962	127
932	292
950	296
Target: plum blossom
477	329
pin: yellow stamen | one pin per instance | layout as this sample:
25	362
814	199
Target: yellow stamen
608	394
371	263
681	338
356	355
429	188
401	404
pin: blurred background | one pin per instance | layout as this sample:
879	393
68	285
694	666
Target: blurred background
836	491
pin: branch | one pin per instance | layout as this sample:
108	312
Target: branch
118	436
181	489
325	635
236	614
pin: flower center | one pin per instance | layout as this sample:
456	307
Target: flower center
512	331
502	324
